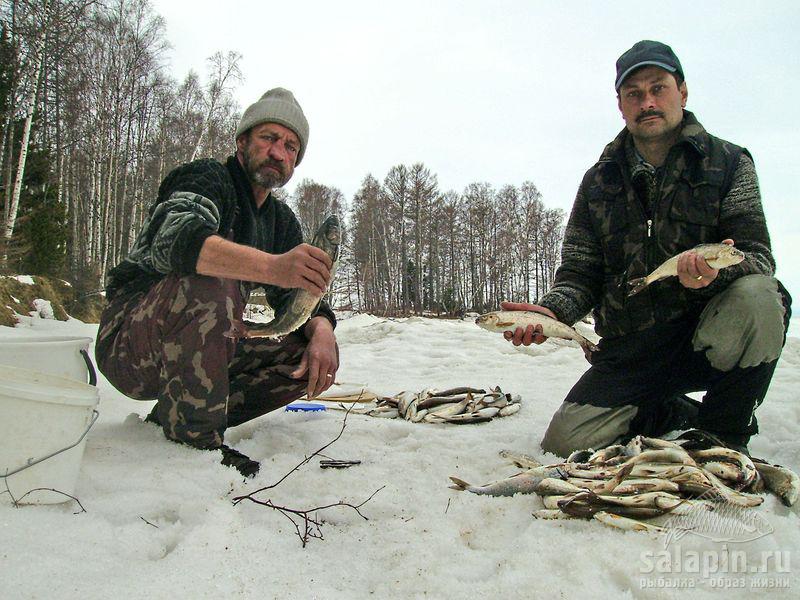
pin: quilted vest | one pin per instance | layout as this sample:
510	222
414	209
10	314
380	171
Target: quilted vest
697	175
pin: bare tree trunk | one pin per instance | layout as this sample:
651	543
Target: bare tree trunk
13	208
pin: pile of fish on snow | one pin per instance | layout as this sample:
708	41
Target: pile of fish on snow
458	405
622	484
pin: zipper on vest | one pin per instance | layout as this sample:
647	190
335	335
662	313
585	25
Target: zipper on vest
649	228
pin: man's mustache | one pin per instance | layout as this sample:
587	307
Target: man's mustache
649	113
271	163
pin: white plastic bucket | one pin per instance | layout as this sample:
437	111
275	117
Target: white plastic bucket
43	423
56	355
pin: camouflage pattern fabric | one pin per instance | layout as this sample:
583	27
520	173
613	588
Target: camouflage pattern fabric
707	192
169	344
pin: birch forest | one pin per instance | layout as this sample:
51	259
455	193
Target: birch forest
91	121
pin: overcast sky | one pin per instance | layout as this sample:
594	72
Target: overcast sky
506	91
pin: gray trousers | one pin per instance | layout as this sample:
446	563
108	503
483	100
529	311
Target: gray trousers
730	352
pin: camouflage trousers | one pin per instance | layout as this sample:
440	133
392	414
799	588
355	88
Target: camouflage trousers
169	343
637	382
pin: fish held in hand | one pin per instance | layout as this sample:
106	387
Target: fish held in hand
500	321
302	304
718	256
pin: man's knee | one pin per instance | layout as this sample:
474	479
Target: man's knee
582	426
743	325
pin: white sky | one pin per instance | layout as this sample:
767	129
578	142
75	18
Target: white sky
506	91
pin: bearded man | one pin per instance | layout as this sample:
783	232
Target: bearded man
214	234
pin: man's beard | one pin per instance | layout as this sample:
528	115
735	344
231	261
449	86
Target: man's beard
257	174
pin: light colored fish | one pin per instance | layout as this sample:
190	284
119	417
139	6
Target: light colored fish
444	411
725	471
727	455
434	401
523	483
302	304
625	523
524	461
508	320
645	500
509	410
718	256
639	486
489	411
550	514
586	504
403	400
557	487
781	481
420	415
607	453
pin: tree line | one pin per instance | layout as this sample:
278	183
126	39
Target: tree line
411	248
91	122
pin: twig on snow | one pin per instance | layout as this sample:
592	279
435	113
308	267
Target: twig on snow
306	523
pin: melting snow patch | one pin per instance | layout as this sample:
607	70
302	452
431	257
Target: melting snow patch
42	309
26	279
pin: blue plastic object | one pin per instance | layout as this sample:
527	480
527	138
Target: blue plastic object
304	407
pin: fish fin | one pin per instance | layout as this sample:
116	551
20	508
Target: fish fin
590	346
505	324
636	285
460	484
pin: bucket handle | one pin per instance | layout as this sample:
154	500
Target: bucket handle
30	463
90	366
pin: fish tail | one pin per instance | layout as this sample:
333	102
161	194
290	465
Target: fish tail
460	484
637	285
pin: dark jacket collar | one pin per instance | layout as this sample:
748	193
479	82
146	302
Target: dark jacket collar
693	135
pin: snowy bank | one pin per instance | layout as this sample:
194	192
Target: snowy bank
160	523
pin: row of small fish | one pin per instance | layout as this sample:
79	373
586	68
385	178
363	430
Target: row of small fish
460	405
646	478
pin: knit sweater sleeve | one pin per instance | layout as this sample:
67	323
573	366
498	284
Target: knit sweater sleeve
195	200
742	220
579	279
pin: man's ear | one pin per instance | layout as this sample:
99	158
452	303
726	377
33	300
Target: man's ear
241	141
684	94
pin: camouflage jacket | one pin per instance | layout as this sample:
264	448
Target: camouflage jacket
708	191
197	200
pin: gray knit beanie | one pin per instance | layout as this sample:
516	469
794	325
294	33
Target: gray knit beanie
279	106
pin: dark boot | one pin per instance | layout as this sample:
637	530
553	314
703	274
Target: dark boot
242	463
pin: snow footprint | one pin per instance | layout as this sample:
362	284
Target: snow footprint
151	536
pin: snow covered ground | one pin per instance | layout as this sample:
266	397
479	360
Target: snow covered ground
159	521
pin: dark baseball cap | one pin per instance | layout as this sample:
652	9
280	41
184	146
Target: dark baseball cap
647	52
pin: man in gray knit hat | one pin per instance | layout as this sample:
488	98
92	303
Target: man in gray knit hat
214	234
662	187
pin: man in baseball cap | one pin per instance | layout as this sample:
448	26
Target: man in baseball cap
647	52
214	234
662	187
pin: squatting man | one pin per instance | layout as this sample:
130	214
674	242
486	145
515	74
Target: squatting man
214	234
661	187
